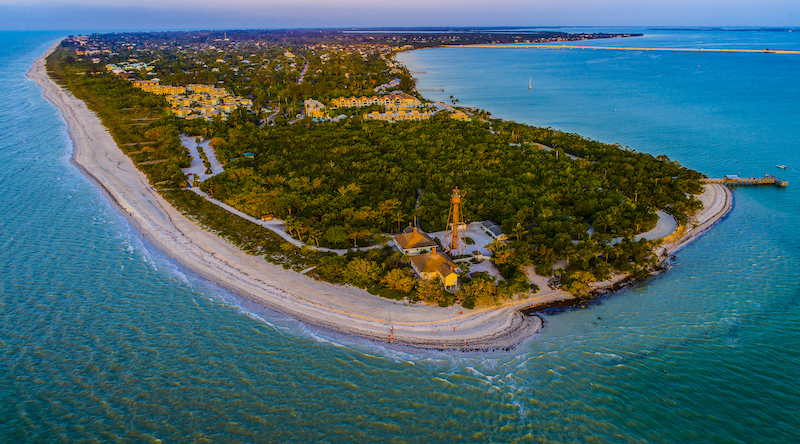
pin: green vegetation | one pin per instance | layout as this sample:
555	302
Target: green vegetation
344	183
135	119
251	238
350	183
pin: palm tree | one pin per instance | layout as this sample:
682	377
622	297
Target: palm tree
398	217
291	225
518	231
314	234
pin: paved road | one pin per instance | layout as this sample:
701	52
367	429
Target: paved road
305	68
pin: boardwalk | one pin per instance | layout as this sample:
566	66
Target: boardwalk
622	48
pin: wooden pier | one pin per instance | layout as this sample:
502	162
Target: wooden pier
736	181
624	48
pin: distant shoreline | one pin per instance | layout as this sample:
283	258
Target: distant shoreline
342	309
347	310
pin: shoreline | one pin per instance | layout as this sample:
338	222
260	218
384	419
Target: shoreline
341	309
346	310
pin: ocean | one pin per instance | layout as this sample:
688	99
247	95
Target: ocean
104	339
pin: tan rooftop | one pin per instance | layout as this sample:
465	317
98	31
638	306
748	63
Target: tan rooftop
433	264
414	239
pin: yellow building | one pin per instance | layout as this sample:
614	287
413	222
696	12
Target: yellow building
436	265
181	112
459	115
208	101
392	100
145	83
200	88
399	115
314	109
405	100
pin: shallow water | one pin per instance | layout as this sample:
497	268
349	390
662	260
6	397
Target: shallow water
105	339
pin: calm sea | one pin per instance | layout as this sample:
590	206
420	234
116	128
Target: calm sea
102	338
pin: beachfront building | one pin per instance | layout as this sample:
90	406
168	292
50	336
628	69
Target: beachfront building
460	115
314	109
414	242
394	116
436	265
398	100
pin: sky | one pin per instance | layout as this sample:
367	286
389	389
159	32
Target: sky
102	15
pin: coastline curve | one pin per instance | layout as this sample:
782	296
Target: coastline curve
341	309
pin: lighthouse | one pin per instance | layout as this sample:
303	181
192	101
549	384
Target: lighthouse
455	218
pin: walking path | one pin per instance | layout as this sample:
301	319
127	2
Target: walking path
275	225
197	166
340	308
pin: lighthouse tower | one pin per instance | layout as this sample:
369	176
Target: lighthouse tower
454	218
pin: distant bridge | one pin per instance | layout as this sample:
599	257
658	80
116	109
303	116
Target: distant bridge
735	181
622	48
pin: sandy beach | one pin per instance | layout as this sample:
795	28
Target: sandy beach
343	309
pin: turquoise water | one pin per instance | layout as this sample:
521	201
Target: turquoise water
104	339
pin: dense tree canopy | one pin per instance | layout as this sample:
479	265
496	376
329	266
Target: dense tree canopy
347	183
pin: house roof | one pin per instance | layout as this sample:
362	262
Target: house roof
414	239
434	262
496	230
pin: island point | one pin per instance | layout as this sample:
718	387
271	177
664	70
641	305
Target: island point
303	170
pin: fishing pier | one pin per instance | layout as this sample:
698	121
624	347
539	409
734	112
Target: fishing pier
626	48
736	181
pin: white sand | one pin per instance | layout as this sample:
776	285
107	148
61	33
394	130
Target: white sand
717	201
343	309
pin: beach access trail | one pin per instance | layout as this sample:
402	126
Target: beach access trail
339	308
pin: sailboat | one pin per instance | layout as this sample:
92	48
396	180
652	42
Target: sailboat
530	83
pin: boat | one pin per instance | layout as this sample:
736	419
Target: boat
783	167
530	83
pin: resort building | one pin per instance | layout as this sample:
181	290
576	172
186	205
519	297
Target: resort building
395	116
145	83
196	100
181	112
436	265
460	115
314	109
401	100
414	242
